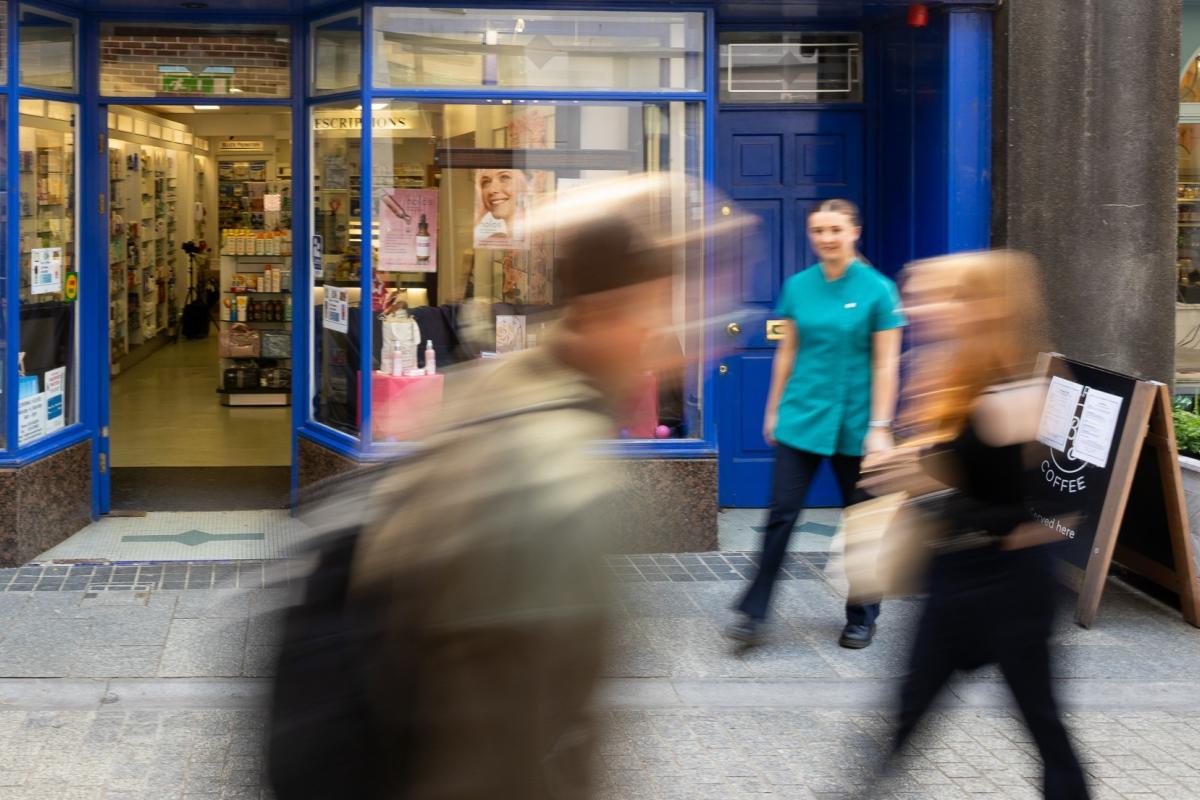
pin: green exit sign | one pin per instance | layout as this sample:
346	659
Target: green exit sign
196	84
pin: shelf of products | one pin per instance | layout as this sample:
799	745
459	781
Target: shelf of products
254	205
147	207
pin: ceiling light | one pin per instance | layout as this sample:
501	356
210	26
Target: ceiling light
206	108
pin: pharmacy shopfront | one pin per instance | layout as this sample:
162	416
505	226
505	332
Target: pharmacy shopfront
406	144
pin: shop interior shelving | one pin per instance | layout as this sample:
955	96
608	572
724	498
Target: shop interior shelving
149	213
255	240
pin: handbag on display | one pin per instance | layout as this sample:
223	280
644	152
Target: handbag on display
240	342
276	344
240	378
276	378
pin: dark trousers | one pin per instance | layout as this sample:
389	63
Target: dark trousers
996	609
793	474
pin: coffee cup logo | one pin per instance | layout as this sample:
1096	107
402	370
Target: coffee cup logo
1062	470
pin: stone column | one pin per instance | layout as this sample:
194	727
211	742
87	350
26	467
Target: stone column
1086	101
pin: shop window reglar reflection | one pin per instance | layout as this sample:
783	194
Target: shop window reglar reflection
459	264
337	247
48	285
539	49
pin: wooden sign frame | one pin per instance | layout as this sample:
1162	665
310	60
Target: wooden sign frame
1148	432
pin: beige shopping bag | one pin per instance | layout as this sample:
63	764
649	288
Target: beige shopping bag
886	546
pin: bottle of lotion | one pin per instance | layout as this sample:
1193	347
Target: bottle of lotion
422	243
430	358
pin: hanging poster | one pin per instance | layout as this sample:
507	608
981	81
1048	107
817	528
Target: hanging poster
55	394
501	203
337	309
408	230
46	276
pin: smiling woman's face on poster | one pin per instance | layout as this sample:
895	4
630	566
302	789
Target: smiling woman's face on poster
500	208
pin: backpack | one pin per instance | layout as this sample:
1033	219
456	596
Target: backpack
194	323
322	741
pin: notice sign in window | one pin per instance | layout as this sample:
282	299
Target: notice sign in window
337	309
46	270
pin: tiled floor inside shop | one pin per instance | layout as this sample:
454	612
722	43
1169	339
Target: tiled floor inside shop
166	413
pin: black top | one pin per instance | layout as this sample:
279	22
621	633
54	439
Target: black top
993	484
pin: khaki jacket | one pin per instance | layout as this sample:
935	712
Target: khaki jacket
488	559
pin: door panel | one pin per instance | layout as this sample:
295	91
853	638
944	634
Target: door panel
778	165
760	257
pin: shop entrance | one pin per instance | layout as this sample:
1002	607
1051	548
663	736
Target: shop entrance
200	262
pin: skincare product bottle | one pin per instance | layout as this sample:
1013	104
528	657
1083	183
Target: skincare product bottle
430	358
423	241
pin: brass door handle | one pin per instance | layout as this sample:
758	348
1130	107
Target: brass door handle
733	329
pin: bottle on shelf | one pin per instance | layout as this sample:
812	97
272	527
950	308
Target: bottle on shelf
430	358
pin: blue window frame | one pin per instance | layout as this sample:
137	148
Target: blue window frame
42	243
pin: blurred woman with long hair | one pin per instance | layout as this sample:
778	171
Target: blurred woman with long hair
974	409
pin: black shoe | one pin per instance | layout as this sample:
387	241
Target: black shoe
856	637
747	631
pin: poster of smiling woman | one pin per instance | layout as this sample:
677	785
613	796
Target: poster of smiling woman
501	203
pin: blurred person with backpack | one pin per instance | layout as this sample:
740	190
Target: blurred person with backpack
478	580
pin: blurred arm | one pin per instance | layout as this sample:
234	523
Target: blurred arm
885	369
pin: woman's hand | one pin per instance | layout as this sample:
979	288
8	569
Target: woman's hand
879	440
770	420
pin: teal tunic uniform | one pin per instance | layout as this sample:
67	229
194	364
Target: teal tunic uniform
826	405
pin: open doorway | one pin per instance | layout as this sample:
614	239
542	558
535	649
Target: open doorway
200	316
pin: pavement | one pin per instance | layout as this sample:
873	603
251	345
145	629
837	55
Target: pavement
146	680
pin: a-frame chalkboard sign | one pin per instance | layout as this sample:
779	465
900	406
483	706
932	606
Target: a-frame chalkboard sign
1110	455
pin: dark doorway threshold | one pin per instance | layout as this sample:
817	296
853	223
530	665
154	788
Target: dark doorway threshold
137	489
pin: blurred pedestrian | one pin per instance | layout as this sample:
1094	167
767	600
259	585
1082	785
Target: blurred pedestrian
833	391
977	406
487	565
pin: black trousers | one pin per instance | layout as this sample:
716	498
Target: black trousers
994	607
792	476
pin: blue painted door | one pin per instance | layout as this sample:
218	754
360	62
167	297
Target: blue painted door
777	164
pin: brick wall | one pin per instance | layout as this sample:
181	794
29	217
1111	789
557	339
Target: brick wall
130	61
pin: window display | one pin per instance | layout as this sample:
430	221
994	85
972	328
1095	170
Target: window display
459	249
46	350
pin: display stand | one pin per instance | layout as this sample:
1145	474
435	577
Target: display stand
1111	457
254	223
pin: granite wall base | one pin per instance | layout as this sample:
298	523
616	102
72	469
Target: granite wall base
669	505
43	503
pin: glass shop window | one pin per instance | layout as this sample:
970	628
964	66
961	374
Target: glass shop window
49	44
515	48
195	60
336	56
455	251
49	325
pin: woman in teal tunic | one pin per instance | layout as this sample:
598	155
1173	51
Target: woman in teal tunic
833	393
